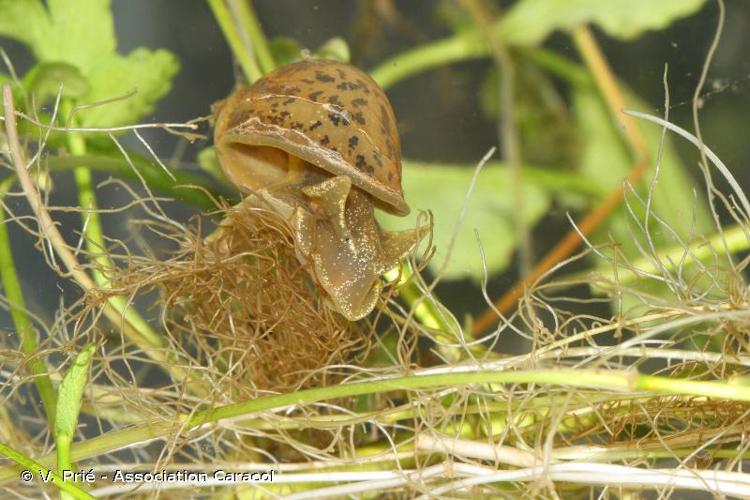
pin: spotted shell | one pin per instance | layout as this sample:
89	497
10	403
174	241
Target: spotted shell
327	113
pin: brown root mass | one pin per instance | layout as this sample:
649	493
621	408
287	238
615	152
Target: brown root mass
240	303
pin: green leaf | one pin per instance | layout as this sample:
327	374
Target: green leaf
148	73
529	22
70	393
491	211
336	48
285	50
81	33
69	401
44	79
72	36
25	21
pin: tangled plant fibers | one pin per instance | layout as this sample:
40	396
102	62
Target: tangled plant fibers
239	301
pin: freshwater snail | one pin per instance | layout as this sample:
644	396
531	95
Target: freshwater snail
316	142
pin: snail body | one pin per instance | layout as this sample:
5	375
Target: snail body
316	142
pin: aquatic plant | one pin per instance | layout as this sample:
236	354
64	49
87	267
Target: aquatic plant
187	345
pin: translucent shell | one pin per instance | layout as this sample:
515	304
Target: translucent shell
327	113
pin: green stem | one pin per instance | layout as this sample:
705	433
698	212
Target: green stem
428	56
585	379
17	306
40	472
62	447
249	22
461	47
93	234
733	239
431	313
183	188
226	23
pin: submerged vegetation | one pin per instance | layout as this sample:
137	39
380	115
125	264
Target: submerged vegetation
179	347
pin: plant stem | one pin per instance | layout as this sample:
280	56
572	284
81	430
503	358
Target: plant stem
39	472
50	231
189	188
610	91
733	239
428	311
508	136
16	304
94	236
256	39
613	96
428	56
614	380
463	47
226	22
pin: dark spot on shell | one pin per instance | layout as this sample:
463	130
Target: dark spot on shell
362	85
322	77
284	114
334	99
359	102
325	140
347	86
315	125
370	169
274	105
390	176
341	73
314	95
288	101
353	141
360	162
377	159
359	118
297	126
338	117
291	89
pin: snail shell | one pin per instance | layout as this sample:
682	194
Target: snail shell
329	114
316	142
